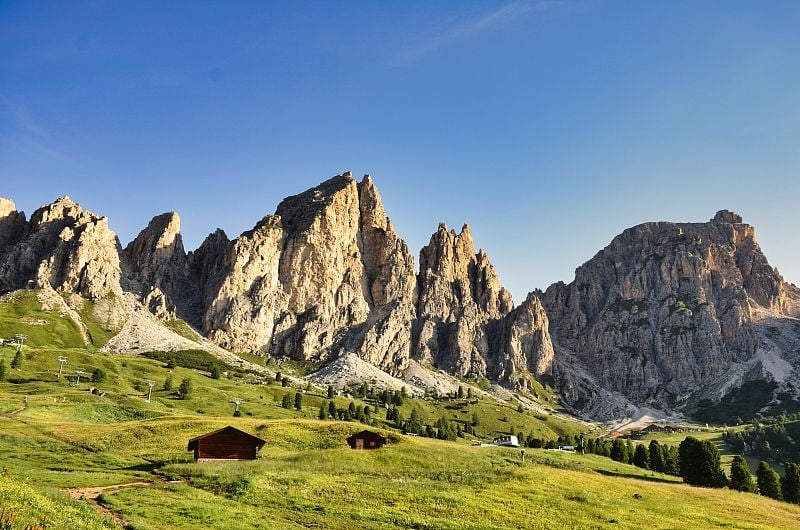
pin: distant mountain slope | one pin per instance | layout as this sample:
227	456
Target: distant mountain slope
671	313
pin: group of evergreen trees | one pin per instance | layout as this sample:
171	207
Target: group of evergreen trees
353	412
655	456
771	439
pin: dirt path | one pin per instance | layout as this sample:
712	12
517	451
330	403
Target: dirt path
90	494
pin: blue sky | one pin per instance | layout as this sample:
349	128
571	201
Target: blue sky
548	126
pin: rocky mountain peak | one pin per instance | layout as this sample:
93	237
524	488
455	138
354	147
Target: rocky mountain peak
726	216
62	247
157	263
666	308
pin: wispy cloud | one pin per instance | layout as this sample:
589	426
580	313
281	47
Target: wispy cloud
25	131
469	28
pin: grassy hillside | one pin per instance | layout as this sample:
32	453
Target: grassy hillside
21	505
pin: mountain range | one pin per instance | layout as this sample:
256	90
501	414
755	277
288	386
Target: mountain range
677	317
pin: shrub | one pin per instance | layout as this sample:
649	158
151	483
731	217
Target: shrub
98	376
185	389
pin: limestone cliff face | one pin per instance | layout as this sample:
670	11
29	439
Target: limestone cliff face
12	224
63	247
158	268
307	280
668	307
522	345
459	293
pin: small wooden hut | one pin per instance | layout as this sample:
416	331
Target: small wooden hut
228	443
366	440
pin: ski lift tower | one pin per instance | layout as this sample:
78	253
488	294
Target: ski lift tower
236	402
151	384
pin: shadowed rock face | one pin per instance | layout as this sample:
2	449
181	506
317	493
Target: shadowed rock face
63	247
158	269
667	307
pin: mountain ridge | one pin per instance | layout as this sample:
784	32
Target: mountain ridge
663	311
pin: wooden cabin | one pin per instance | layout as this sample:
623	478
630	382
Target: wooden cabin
366	440
228	443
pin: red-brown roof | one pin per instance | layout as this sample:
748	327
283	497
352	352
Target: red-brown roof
258	441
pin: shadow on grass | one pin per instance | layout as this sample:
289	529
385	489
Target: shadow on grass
635	476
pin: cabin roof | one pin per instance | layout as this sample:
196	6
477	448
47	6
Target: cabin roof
365	434
258	441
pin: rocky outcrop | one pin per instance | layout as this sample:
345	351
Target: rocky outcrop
158	269
327	272
459	294
63	247
12	224
667	308
206	262
522	345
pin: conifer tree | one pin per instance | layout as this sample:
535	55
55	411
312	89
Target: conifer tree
619	451
655	457
330	392
215	373
769	482
298	401
2	370
286	402
790	484
16	362
332	410
168	383
641	457
700	464
740	475
185	388
323	413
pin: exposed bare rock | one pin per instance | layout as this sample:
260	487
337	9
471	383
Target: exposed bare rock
207	261
523	347
12	224
66	248
247	298
158	269
667	308
349	369
459	293
326	273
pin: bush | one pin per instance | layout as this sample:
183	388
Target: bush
98	376
215	373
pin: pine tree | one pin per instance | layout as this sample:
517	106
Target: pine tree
186	388
656	458
476	420
2	370
285	382
323	412
641	457
769	482
215	373
330	392
619	451
286	402
790	484
740	475
168	383
631	449
278	376
17	361
469	392
332	410
298	401
699	463
460	393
